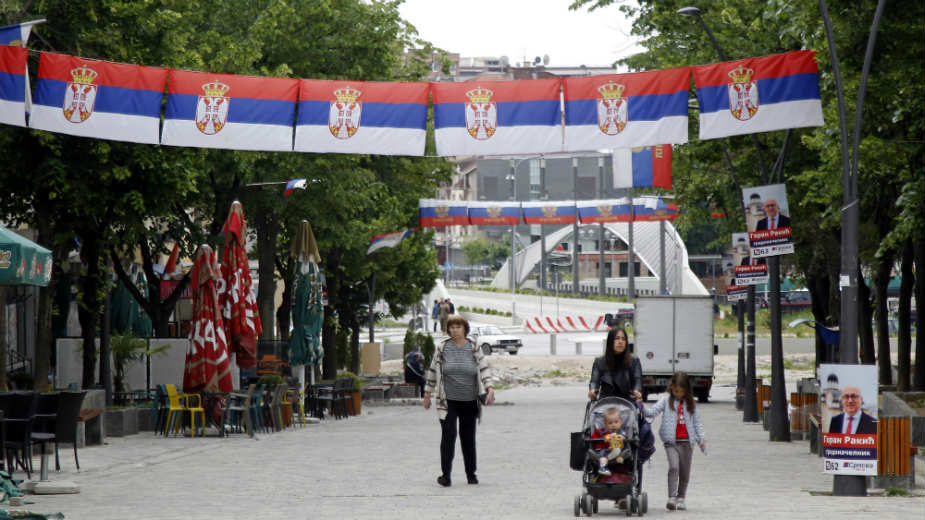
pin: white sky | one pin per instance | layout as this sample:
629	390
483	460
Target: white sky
519	28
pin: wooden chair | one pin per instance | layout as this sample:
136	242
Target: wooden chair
180	403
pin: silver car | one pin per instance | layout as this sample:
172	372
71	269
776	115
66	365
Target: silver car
490	338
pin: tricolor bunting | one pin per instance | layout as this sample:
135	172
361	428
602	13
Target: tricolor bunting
227	111
438	213
294	184
648	166
549	212
626	110
610	210
494	213
362	117
758	94
387	240
91	98
13	85
653	209
497	117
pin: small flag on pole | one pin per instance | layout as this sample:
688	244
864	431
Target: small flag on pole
642	167
17	35
387	240
293	185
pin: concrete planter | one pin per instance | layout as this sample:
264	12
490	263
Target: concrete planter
121	422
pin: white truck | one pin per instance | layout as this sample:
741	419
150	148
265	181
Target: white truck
674	334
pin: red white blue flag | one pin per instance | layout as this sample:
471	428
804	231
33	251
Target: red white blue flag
497	117
626	110
439	212
206	110
91	98
549	212
294	184
387	240
611	210
494	213
13	85
17	35
653	209
362	117
758	94
649	166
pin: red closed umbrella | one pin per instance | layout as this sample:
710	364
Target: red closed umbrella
208	364
239	306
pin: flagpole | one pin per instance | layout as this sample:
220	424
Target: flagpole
631	271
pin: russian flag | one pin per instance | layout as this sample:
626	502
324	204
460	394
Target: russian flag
552	212
362	117
653	209
294	184
13	85
610	210
100	99
758	94
439	212
206	110
497	117
626	110
494	213
649	166
387	240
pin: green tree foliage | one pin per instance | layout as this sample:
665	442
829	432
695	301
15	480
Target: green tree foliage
480	251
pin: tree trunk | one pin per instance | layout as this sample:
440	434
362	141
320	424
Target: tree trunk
865	327
268	226
355	347
329	330
329	344
44	342
881	283
89	305
819	293
904	342
284	312
918	381
3	346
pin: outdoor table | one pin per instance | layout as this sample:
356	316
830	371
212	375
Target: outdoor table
316	389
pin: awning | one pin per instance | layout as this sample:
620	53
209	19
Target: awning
22	261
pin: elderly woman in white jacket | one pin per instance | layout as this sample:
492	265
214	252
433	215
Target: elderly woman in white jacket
681	426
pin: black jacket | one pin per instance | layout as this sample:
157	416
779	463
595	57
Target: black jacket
618	383
866	424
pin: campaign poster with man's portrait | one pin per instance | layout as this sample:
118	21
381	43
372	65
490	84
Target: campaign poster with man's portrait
848	402
767	217
748	270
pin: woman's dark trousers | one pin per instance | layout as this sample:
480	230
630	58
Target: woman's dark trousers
466	413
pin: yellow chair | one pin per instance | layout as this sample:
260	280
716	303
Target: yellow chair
179	403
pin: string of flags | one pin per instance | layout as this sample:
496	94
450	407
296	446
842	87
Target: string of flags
123	102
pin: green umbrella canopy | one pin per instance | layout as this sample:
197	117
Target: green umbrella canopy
307	312
22	261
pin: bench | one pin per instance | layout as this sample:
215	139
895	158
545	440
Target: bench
90	428
895	453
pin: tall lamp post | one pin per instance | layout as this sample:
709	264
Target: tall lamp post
513	271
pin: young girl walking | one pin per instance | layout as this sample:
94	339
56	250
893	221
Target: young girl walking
681	426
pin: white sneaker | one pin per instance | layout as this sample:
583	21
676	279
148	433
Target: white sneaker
672	504
603	471
680	504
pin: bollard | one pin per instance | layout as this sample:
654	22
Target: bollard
577	348
552	344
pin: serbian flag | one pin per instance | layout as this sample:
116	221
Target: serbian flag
626	110
611	210
653	209
17	35
362	117
439	212
497	117
758	94
13	85
551	212
387	240
100	99
206	110
649	166
494	213
294	184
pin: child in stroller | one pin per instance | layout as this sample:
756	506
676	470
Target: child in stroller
609	469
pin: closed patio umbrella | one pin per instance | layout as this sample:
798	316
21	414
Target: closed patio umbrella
208	365
238	304
308	311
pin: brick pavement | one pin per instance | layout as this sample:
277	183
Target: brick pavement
384	465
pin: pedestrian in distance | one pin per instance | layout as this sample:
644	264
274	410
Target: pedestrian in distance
460	382
435	314
414	369
681	426
452	306
443	313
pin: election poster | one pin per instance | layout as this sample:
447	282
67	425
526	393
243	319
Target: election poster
767	216
747	270
848	402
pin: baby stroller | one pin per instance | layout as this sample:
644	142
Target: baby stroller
624	482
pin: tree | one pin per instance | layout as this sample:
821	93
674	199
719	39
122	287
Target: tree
480	251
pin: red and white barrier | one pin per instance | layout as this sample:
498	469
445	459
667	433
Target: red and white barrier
550	325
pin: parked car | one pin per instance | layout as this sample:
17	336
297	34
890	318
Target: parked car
491	338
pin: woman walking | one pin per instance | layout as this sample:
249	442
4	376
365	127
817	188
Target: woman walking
459	379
